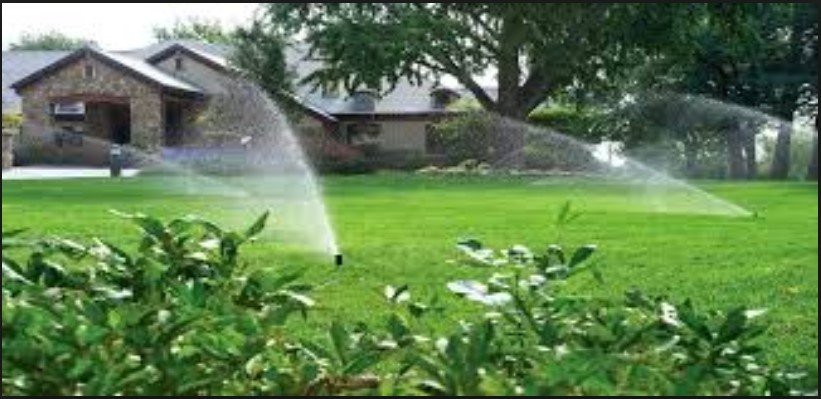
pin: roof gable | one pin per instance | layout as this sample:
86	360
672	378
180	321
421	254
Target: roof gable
19	64
210	60
137	69
219	51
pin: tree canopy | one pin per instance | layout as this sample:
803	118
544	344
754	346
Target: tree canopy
755	59
195	29
51	41
259	53
593	56
536	49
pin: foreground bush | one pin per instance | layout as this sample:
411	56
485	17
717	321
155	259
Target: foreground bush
12	121
183	315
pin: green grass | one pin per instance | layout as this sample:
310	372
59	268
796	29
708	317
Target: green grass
402	229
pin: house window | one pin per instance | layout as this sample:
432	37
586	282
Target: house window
89	72
363	133
179	64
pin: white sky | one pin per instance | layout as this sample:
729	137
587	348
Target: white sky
115	26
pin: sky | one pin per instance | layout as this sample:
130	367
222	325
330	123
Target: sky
115	26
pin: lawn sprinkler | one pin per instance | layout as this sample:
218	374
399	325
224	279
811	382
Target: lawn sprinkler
339	260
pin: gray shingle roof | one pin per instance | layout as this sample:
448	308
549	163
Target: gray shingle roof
216	52
150	72
19	64
139	68
406	99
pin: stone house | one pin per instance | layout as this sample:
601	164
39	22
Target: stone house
75	105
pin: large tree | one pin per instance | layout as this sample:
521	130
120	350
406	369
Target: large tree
745	54
792	74
813	170
722	60
51	41
536	49
811	98
259	54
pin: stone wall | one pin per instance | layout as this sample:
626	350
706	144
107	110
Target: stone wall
8	150
203	122
41	141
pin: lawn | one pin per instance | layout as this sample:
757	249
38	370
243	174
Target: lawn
398	229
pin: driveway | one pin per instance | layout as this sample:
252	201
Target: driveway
53	173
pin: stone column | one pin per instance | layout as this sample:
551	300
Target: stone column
147	123
8	149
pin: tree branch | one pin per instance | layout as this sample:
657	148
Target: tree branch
535	90
481	94
464	77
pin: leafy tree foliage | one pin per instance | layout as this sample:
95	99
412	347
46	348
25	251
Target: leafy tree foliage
760	56
537	49
259	53
52	41
812	174
195	29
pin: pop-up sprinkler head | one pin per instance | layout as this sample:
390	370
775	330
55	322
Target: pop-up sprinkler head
339	259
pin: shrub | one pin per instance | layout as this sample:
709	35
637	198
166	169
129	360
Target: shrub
471	136
581	124
12	121
541	342
485	138
330	156
184	315
466	168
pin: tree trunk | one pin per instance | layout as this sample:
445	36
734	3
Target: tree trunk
751	153
735	154
782	157
813	171
511	138
691	151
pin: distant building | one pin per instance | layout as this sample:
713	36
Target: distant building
148	97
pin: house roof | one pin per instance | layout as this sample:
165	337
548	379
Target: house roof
406	99
217	51
137	68
19	64
214	61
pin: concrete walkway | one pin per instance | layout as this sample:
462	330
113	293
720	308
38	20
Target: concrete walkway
54	173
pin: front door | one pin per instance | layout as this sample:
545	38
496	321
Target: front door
121	124
174	134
